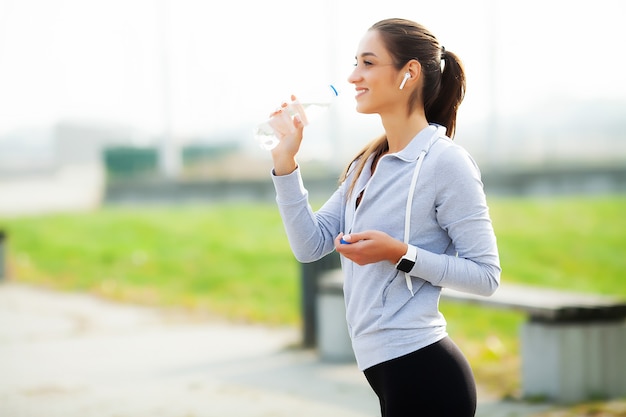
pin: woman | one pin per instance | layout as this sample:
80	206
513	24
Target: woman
415	216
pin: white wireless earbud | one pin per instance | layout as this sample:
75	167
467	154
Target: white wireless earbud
406	77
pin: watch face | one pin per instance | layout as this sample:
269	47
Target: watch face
405	265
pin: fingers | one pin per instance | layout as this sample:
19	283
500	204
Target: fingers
368	246
341	244
297	122
357	237
350	250
342	239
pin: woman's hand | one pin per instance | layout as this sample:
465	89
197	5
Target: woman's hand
284	154
370	246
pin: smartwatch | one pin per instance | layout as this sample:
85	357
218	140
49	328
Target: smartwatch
407	262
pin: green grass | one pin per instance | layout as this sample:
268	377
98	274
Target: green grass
571	243
228	260
234	261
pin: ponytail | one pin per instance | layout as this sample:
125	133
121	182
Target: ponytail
442	107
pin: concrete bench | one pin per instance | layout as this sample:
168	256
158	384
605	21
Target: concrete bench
573	346
333	340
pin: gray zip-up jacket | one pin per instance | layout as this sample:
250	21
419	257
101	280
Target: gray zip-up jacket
450	226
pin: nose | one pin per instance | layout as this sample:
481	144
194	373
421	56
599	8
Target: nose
354	76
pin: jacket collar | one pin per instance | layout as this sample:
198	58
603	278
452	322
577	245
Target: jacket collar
422	141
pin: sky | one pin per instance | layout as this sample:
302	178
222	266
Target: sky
195	66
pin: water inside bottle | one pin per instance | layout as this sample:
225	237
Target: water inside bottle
266	134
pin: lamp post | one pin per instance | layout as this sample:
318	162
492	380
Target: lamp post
169	152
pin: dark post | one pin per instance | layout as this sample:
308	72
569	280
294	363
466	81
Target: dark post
310	273
3	236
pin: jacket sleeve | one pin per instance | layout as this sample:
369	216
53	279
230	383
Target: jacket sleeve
311	235
462	211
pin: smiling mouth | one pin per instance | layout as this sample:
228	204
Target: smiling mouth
360	92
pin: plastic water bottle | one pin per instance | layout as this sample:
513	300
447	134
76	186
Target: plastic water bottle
268	133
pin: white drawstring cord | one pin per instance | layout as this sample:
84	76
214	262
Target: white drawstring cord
409	202
407	214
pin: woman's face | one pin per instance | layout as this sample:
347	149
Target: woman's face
375	78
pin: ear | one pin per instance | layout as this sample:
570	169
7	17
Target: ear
415	69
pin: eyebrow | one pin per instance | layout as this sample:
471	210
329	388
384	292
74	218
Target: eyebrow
364	54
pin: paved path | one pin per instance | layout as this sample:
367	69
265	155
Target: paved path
74	355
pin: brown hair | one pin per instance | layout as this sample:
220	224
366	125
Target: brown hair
443	89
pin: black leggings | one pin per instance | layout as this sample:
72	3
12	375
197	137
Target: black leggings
434	381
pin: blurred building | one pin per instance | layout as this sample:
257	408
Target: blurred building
56	169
